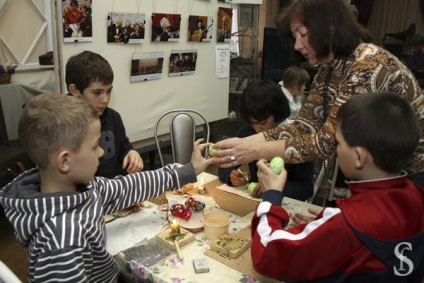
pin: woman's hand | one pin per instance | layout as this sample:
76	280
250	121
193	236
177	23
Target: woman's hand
235	151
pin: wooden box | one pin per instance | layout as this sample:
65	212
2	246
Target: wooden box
230	245
165	238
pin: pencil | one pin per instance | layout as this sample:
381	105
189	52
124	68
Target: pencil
247	179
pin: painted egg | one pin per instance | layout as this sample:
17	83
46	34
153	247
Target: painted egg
276	164
212	150
251	187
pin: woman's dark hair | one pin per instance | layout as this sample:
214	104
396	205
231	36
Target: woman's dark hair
262	99
385	124
331	26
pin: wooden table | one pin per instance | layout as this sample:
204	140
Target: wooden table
139	230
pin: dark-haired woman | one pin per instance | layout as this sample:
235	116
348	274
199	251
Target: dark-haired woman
326	33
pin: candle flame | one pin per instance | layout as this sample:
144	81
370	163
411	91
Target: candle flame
201	181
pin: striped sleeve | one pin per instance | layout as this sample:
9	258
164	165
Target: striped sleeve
124	191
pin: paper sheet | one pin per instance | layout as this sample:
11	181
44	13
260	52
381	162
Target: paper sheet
222	62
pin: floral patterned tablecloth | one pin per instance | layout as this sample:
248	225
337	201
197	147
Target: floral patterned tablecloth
137	228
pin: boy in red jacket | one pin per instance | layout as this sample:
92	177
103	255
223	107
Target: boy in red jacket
376	235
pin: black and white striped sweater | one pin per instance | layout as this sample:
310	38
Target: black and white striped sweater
64	232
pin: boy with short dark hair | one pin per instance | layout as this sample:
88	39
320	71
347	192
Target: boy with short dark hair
376	235
57	209
264	106
90	76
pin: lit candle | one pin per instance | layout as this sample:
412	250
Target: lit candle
175	227
201	183
202	189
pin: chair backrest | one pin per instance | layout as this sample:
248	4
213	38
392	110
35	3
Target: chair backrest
182	129
320	177
6	275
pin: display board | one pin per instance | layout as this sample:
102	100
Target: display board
141	101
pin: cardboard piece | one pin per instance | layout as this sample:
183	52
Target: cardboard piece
243	262
227	201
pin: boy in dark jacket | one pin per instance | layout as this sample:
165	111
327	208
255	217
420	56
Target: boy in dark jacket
90	76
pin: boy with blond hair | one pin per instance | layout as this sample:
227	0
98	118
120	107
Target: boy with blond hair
376	235
57	209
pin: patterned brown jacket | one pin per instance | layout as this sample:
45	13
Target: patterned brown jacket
368	69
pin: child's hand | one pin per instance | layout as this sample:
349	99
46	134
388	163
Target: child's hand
258	192
269	180
133	162
237	178
299	219
200	163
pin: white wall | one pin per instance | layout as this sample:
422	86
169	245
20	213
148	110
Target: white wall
140	103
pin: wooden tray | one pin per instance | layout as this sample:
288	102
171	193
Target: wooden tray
216	245
164	238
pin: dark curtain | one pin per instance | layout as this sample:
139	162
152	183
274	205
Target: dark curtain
365	8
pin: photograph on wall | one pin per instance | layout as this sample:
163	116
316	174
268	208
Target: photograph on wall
146	66
126	27
166	27
77	21
182	62
200	28
225	16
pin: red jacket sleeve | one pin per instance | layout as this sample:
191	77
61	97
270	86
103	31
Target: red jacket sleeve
310	251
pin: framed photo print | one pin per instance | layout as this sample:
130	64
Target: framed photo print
166	27
225	16
146	66
200	28
77	20
126	28
182	62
